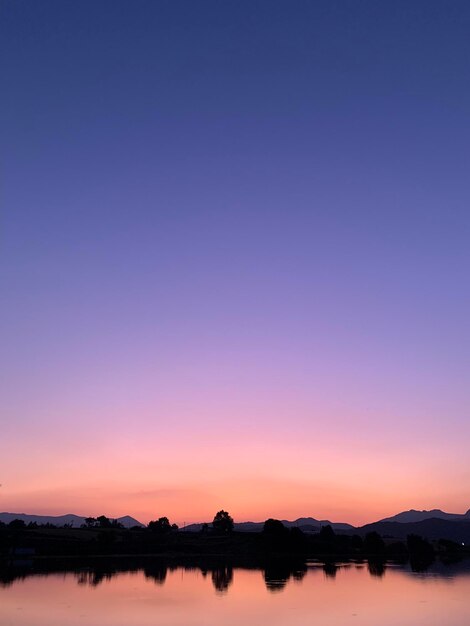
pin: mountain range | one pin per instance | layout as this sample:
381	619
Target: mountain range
61	520
433	524
431	528
407	517
307	524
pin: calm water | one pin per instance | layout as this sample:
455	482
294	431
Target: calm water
159	596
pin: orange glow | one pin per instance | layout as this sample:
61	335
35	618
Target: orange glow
252	482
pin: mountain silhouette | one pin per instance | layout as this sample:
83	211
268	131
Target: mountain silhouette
306	524
433	523
411	516
61	520
433	528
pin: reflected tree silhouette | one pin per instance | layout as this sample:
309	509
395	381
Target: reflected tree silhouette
276	575
376	567
157	573
94	577
299	574
421	553
222	578
330	570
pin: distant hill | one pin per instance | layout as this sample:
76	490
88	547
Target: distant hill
302	522
433	524
306	524
434	528
407	517
60	520
128	522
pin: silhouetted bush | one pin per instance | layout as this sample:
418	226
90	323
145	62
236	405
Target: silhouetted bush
397	551
90	522
421	552
449	546
17	524
418	546
450	551
374	544
274	527
356	543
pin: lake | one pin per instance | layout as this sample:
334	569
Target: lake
348	594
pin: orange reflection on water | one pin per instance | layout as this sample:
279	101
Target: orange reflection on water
348	595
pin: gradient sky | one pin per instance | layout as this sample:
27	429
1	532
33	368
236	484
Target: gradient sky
234	257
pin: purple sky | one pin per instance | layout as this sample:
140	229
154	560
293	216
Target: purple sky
235	244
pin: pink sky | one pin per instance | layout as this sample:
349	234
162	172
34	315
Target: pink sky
147	475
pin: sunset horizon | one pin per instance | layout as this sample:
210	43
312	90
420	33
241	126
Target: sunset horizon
234	268
187	520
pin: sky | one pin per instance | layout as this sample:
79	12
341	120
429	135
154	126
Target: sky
234	258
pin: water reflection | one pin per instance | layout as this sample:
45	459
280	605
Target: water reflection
150	591
276	573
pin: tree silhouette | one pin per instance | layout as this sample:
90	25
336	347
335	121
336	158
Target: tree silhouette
222	522
421	553
90	522
274	527
104	522
161	525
